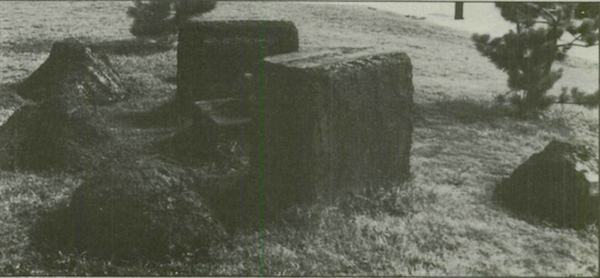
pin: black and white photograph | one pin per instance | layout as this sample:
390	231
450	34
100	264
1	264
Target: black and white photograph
207	138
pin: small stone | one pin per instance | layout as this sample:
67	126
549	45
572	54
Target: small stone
556	185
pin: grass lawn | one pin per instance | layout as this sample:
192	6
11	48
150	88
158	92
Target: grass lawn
442	222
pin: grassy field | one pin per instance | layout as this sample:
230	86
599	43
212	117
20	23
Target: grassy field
440	223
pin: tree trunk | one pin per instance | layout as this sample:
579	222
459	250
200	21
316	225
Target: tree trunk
458	10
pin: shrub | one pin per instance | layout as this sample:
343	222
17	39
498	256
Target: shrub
159	18
528	54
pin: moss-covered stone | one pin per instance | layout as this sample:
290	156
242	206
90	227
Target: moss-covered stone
76	75
552	186
335	120
141	210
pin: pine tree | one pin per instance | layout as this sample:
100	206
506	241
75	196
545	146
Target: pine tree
528	54
185	9
160	18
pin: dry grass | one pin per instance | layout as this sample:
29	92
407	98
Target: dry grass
463	146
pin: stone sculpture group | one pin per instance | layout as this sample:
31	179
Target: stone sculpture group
312	122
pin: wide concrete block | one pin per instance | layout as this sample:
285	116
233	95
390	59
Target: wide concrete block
214	56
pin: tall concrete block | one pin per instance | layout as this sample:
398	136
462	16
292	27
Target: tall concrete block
335	120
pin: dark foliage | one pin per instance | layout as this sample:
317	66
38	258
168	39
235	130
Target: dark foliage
157	18
527	58
185	9
528	54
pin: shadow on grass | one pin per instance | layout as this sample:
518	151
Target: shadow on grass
52	235
129	47
463	110
116	47
36	46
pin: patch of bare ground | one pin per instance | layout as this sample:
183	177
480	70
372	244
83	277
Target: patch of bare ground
440	223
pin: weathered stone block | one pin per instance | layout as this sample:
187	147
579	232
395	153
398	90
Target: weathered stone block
335	119
555	185
60	131
213	56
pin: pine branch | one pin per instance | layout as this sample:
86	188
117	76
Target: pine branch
574	44
569	103
549	15
522	14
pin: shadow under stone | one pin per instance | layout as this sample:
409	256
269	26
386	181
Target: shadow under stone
116	47
464	110
53	233
166	115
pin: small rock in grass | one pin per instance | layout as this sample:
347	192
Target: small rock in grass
554	185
